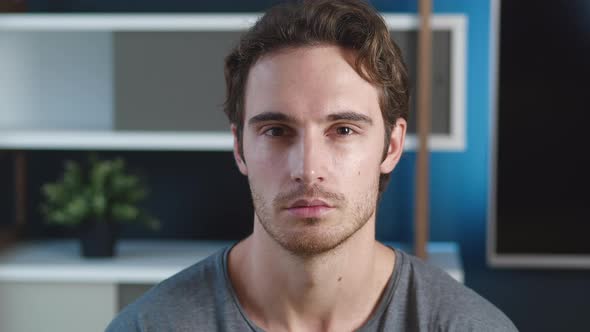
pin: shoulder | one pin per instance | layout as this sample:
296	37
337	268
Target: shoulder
446	304
187	296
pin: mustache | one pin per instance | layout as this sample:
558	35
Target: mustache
304	192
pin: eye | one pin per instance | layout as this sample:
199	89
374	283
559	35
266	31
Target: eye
274	131
344	131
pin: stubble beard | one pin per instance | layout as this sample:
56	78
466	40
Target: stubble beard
316	236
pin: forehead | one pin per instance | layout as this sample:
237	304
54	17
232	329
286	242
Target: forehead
309	82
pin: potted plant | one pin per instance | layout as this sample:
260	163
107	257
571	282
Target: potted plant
94	198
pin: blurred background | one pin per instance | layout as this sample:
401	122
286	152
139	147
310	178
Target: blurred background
508	161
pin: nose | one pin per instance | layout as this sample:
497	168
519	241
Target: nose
308	160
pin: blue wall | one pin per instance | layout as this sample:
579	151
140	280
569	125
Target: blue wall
458	179
536	300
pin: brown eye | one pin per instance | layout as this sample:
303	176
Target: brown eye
275	131
344	131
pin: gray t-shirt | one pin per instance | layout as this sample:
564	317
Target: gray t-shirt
418	297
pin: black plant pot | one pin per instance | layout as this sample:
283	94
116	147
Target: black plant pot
97	238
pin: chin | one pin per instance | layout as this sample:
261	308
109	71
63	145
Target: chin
309	247
311	236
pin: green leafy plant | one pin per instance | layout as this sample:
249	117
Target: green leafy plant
103	191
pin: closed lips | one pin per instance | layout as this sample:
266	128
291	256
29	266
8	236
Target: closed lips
309	203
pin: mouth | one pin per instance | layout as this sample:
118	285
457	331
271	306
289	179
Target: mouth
309	208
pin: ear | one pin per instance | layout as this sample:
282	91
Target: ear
241	163
396	146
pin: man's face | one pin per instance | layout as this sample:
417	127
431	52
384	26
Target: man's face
313	147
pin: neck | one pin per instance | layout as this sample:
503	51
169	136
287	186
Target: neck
336	290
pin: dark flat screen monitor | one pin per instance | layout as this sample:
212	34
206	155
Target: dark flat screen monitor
540	158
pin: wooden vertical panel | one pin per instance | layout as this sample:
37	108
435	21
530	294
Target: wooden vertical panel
12	6
9	233
6	232
8	236
20	187
421	228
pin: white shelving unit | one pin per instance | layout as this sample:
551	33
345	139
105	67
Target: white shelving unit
24	101
77	85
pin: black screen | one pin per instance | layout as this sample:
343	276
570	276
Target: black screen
543	167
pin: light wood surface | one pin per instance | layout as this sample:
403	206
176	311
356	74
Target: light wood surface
424	108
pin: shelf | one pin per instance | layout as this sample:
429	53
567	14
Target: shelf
154	141
142	261
81	53
125	22
175	22
111	140
137	261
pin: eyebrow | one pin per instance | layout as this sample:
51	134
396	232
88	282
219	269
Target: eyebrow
350	116
282	117
270	116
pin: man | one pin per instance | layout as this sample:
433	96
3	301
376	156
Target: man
317	98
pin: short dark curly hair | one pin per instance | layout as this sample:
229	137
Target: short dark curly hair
350	24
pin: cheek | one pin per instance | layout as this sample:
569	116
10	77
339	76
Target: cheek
358	168
264	166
